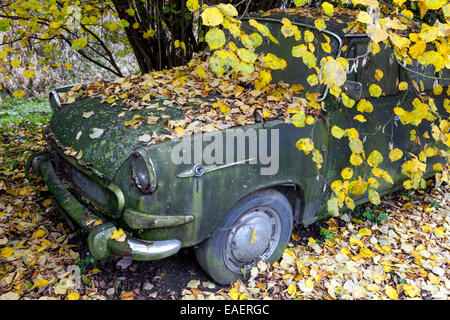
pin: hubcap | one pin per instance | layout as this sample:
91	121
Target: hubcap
253	237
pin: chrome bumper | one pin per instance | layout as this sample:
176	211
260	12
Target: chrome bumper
100	244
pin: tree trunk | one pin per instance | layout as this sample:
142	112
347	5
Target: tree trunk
167	18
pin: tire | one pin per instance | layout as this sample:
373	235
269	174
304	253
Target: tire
257	228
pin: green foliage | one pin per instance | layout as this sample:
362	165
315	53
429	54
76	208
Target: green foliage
36	110
85	263
373	213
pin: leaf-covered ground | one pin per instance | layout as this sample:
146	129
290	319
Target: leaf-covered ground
398	250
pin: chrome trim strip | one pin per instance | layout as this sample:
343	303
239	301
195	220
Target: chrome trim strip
190	173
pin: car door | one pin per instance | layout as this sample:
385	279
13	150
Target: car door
296	73
380	129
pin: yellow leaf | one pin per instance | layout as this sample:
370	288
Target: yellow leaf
378	74
386	249
403	86
364	17
326	47
333	74
356	241
439	233
291	289
376	33
309	120
357	187
375	90
298	119
309	283
29	74
349	103
347	173
312	80
428	33
15	63
373	183
366	253
328	8
309	36
372	287
380	173
118	235
435	4
433	279
288	29
333	206
375	158
337	132
73	295
365	232
18	94
273	62
395	154
349	203
80	43
228	9
355	159
233	294
300	3
263	29
7	252
41	282
200	71
39	234
374	197
212	17
192	5
411	291
215	38
437	90
320	24
391	293
246	55
360	118
305	145
364	106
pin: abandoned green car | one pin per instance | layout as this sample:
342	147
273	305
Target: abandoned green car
237	203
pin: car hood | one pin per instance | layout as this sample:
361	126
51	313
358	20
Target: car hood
107	134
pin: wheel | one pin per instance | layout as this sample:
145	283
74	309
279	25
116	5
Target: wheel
257	228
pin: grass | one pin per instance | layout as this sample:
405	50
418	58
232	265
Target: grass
12	110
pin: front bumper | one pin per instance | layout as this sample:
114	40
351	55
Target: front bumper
99	242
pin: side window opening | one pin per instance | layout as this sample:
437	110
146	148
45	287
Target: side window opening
362	67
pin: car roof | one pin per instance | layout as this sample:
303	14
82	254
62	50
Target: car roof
338	23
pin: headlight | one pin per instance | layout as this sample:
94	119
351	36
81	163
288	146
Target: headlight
143	172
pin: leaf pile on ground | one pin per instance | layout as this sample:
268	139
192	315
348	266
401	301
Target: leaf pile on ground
397	250
34	252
